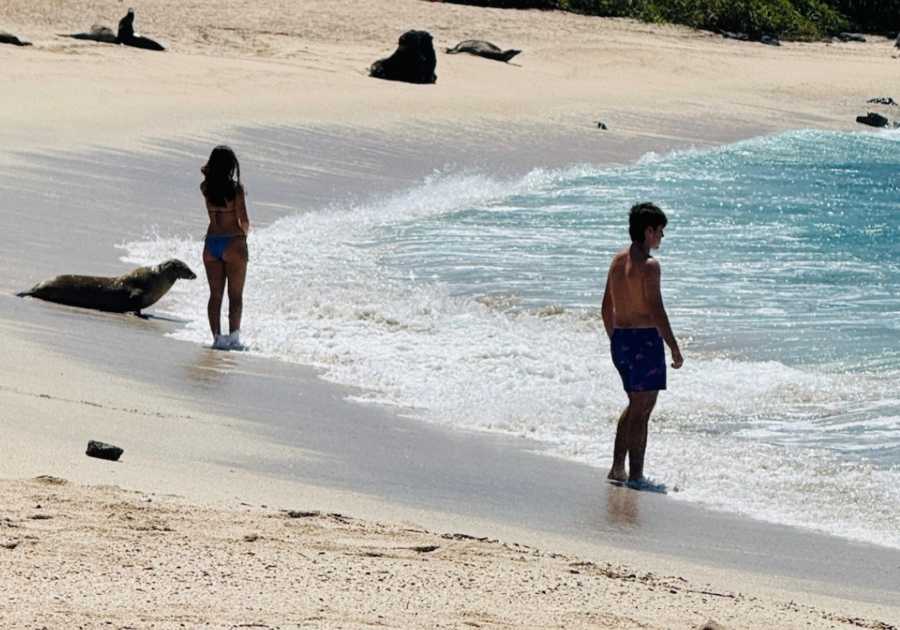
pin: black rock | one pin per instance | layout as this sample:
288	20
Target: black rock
104	451
413	61
882	100
769	41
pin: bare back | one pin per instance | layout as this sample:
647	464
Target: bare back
631	273
230	219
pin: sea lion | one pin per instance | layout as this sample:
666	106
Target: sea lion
98	33
9	38
743	37
125	35
852	37
413	61
873	119
123	294
482	49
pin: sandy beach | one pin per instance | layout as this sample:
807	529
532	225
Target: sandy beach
254	494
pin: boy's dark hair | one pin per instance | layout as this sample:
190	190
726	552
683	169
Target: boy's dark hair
642	216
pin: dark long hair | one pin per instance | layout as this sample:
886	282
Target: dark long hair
223	176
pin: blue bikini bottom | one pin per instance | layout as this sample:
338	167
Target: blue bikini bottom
216	245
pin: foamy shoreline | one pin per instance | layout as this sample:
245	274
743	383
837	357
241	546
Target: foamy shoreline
229	64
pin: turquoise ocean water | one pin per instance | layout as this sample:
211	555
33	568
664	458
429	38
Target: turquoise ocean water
473	302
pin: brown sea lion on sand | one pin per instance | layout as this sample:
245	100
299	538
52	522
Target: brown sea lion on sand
98	33
123	294
483	49
9	38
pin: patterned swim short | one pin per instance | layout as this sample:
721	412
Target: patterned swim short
640	358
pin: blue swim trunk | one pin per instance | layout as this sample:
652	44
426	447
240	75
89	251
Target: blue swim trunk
640	358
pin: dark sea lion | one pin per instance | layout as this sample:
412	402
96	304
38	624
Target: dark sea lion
414	60
122	294
9	38
98	33
483	49
873	119
127	36
743	37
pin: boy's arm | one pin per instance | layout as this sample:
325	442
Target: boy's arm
607	311
658	314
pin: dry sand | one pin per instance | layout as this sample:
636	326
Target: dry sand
171	539
232	62
90	557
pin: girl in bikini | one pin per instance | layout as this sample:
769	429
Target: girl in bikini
225	246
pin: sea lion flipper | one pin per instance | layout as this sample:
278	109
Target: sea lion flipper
136	299
139	41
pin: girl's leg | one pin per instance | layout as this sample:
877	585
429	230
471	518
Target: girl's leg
215	275
236	273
